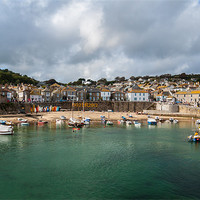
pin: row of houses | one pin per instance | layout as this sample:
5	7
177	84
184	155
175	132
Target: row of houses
57	93
141	90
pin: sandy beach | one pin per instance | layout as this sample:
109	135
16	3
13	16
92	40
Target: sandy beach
94	116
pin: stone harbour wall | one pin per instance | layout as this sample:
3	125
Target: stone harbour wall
14	108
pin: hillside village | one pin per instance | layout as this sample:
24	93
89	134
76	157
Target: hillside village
141	90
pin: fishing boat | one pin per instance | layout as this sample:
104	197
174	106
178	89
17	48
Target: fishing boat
151	121
6	130
194	138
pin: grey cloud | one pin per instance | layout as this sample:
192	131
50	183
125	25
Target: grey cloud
94	39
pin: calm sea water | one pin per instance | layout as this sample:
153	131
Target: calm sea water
100	163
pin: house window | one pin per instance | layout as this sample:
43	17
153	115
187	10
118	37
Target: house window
72	93
143	94
191	95
135	99
140	94
64	93
143	99
184	95
98	94
57	95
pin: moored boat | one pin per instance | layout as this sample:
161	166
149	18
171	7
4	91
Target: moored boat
41	122
151	121
6	130
194	138
63	117
109	123
2	122
128	122
75	123
24	124
198	121
137	123
22	120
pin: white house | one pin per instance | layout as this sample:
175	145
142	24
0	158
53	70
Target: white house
137	95
35	95
105	94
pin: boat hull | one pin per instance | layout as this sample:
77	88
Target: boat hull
6	132
152	123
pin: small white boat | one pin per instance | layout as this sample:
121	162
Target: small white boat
22	120
6	130
128	123
136	123
175	121
24	124
198	121
152	121
171	120
86	121
63	117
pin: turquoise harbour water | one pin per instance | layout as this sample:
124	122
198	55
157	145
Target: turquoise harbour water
100	163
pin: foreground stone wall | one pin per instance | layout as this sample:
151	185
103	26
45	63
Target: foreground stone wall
189	110
165	107
106	105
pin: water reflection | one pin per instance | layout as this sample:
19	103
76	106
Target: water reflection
5	138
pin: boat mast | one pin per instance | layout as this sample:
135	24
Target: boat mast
83	107
72	107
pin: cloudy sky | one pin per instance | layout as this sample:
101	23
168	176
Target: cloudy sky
69	39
